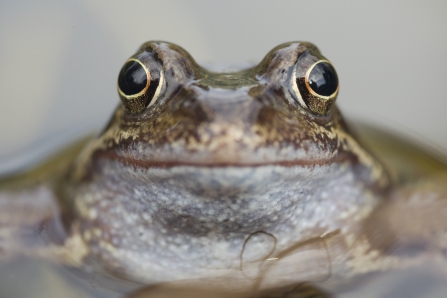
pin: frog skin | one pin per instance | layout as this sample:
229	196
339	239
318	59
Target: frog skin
238	180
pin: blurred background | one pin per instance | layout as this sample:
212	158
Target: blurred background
59	60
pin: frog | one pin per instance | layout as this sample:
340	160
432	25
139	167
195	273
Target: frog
243	183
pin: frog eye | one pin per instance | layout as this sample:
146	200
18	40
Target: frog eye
138	86
316	87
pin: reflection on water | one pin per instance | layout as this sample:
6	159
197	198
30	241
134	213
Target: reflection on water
303	290
39	279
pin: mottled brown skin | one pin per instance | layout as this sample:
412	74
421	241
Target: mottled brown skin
208	125
227	181
225	118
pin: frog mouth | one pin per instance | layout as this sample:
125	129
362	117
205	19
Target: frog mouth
188	161
224	154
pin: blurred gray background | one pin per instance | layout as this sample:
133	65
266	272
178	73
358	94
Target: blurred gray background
59	59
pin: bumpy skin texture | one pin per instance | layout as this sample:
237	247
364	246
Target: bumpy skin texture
227	183
176	191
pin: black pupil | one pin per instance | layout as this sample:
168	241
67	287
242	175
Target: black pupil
132	78
323	79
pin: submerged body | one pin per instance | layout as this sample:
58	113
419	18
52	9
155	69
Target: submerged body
245	181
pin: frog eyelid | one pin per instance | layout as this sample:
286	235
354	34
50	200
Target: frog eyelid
158	90
296	91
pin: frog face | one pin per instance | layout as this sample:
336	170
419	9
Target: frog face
203	160
175	112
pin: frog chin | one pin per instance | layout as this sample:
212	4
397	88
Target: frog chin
197	200
202	216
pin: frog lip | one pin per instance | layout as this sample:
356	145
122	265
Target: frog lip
172	164
341	157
